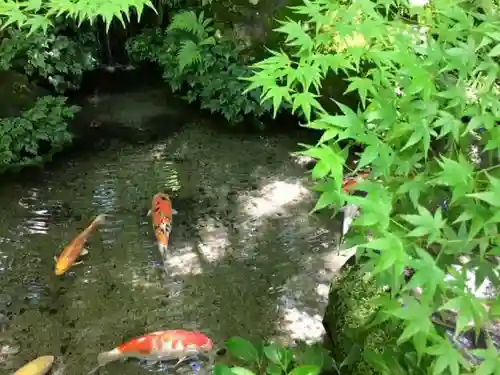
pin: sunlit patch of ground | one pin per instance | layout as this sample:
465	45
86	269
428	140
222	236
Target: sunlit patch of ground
274	197
183	262
210	247
214	239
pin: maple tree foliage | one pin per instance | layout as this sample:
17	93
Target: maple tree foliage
426	77
37	14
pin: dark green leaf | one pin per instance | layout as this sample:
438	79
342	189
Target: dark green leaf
278	355
305	370
242	349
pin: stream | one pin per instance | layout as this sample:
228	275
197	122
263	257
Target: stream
246	258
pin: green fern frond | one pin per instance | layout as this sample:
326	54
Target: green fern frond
188	21
188	54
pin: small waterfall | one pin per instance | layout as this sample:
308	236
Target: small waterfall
111	44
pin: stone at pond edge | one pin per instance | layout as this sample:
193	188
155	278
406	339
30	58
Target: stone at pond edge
17	93
251	23
350	306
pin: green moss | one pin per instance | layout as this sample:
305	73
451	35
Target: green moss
351	306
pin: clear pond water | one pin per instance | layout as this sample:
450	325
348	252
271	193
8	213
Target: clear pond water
246	258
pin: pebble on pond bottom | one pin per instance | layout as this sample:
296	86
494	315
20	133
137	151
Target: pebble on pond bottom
189	367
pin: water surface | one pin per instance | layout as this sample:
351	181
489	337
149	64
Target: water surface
246	258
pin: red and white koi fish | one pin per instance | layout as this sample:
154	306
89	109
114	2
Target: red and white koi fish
39	366
162	214
162	345
75	248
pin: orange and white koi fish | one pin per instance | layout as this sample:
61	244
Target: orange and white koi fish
162	345
75	248
162	214
39	366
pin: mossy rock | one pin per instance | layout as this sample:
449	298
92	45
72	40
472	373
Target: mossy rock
250	23
350	308
17	93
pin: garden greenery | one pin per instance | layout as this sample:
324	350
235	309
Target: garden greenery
55	60
426	77
36	15
273	359
30	44
45	124
201	65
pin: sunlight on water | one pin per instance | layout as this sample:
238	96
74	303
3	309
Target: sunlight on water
274	196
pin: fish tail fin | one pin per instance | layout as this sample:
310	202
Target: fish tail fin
163	247
107	357
100	219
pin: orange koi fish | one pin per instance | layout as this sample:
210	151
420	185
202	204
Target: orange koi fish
39	366
162	345
162	213
75	248
351	182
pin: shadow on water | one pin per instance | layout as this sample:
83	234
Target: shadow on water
246	259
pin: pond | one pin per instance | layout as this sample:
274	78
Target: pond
246	258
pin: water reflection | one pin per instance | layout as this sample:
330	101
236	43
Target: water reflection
241	242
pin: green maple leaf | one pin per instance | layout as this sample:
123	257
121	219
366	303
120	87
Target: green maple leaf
455	174
485	270
413	188
416	317
427	275
491	196
495	51
353	122
277	94
363	86
368	156
448	124
330	195
495	308
277	61
296	35
468	309
334	158
328	135
391	252
421	134
425	223
307	74
375	208
491	363
447	358
262	80
320	170
306	101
